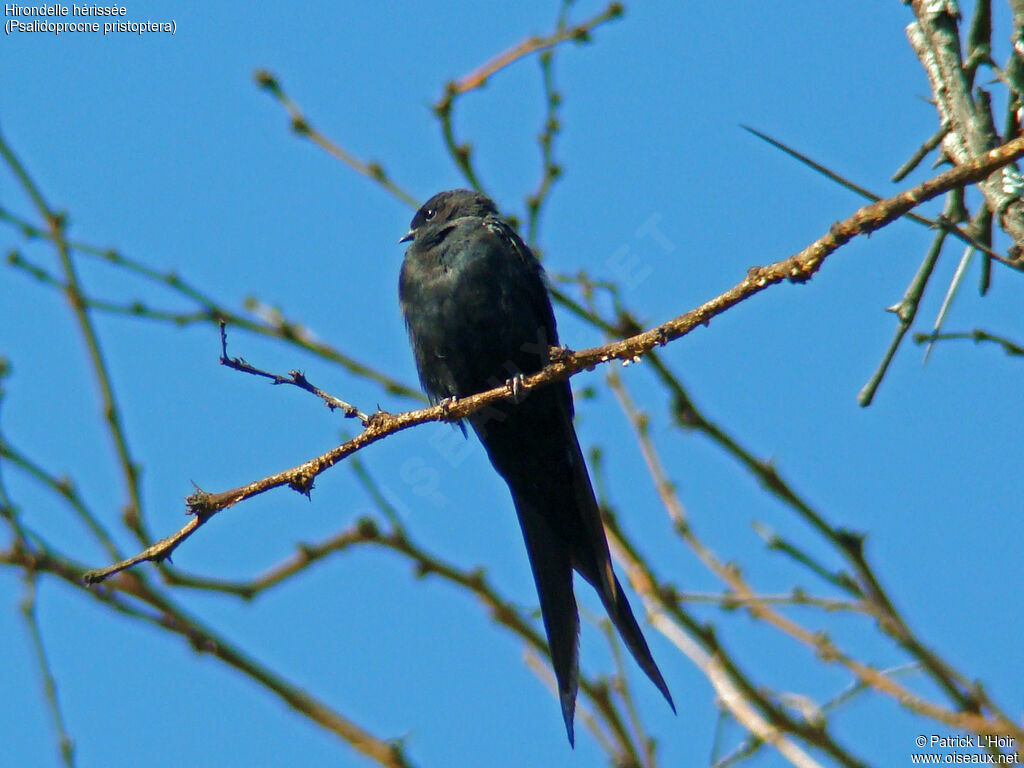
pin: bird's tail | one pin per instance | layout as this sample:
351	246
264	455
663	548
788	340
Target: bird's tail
551	563
593	561
561	524
539	456
621	614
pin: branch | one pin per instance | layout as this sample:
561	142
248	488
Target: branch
905	310
797	269
55	226
579	33
302	127
63	487
168	615
668	617
687	415
730	601
550	170
935	39
296	378
271	323
920	154
946	222
65	743
461	153
977	336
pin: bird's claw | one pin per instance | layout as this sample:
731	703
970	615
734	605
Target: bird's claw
516	388
559	354
446	405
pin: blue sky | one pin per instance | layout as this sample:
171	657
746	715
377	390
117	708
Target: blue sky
163	147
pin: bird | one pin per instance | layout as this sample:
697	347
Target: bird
477	309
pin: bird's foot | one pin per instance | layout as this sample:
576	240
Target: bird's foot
446	406
516	388
559	354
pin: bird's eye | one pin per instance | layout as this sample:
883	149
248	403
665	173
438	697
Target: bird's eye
429	214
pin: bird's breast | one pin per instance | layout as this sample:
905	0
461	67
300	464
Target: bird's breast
471	322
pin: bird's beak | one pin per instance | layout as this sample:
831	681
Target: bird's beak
407	237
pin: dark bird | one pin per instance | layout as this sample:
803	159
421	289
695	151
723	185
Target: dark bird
476	305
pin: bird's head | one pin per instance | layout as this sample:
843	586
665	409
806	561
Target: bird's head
444	208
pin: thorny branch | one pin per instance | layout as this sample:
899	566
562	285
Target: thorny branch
797	268
977	336
935	39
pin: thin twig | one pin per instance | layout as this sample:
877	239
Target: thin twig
620	684
301	125
65	744
951	292
905	310
55	226
295	378
271	323
550	170
167	615
461	152
731	601
920	154
65	488
977	336
942	223
826	649
579	33
841	579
